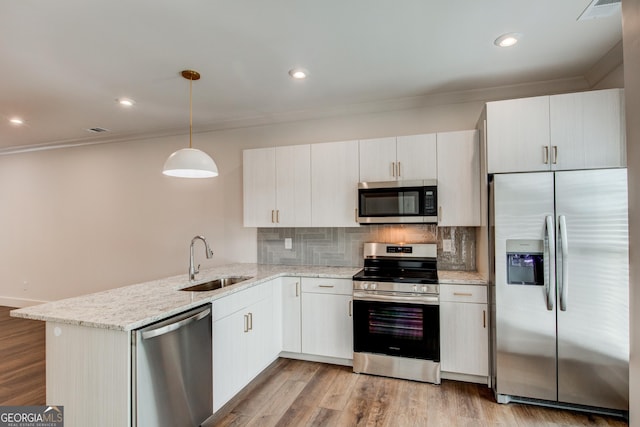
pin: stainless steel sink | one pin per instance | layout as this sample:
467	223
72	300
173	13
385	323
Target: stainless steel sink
216	284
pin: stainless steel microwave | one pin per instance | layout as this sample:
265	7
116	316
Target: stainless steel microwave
398	202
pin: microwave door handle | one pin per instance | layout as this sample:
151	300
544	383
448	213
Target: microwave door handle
550	279
564	249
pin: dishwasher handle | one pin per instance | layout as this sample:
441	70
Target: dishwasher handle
175	326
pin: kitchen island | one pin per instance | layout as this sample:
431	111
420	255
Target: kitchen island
88	338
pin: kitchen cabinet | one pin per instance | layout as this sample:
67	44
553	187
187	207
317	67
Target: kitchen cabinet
458	179
464	338
398	158
587	130
244	339
327	323
334	184
582	130
277	186
291	315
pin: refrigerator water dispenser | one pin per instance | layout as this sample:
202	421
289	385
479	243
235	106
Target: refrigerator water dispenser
525	262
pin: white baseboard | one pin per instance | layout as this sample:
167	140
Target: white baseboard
19	302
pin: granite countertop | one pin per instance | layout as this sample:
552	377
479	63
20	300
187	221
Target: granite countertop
134	306
461	277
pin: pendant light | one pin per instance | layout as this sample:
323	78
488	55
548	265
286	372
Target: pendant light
190	162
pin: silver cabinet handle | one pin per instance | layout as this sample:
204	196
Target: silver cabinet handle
484	319
555	155
246	323
393	169
251	321
356	217
278	216
297	289
564	248
550	281
350	308
272	212
325	286
399	170
545	151
463	294
175	326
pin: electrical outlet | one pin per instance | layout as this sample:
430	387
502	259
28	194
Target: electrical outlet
446	245
288	244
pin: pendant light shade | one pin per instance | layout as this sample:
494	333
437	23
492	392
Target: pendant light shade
190	162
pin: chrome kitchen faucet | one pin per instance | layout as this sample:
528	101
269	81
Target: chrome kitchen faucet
192	269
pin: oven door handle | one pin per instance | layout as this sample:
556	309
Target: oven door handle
414	299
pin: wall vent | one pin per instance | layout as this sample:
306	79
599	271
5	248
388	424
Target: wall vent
600	9
97	130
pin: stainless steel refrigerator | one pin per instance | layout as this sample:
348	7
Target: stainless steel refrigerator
561	288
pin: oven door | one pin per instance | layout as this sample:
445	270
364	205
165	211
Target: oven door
403	327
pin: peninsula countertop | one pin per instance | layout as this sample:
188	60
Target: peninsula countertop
131	307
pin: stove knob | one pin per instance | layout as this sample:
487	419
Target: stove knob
424	289
374	286
364	285
415	288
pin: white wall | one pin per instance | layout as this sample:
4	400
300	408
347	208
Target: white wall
84	219
631	42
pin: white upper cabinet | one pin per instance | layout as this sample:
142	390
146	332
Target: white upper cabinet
416	156
582	130
588	130
402	158
277	186
459	179
518	135
334	184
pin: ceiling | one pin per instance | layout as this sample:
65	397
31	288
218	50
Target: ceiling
65	62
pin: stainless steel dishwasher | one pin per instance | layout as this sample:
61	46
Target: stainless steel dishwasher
172	371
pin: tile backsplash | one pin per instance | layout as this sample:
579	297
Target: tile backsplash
342	247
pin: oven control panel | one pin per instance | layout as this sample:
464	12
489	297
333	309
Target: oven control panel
396	287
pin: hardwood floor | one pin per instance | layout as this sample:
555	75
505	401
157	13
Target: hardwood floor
22	360
298	393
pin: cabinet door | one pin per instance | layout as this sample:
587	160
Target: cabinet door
293	186
518	135
334	184
259	187
464	341
327	325
587	130
378	159
416	157
260	337
458	179
229	357
291	317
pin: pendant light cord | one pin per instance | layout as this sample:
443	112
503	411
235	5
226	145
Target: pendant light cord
190	111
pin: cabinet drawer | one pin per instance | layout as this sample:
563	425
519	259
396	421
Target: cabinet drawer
327	286
463	293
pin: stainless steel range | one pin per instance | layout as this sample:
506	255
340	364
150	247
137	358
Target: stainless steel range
396	313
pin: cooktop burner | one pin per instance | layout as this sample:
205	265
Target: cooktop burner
399	263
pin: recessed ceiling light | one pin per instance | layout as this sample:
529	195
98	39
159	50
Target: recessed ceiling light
507	40
16	121
125	102
298	73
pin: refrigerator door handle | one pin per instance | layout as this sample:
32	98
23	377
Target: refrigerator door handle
550	280
564	248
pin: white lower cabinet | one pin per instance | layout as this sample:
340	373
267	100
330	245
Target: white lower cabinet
290	293
245	340
464	336
327	323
